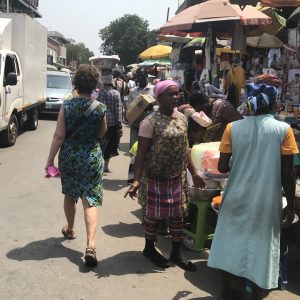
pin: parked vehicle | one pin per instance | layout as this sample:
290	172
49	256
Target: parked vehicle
59	89
23	63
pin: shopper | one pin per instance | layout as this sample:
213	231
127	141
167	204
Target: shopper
112	100
258	153
220	111
80	157
160	174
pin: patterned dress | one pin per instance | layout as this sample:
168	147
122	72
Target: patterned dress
80	156
220	109
164	182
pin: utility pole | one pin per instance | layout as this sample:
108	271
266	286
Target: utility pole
7	6
168	12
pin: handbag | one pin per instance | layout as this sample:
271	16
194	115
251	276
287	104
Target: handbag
80	121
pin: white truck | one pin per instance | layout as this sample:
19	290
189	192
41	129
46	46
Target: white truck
23	65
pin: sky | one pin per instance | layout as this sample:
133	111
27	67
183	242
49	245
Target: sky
82	19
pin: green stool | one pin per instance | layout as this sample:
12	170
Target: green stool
201	235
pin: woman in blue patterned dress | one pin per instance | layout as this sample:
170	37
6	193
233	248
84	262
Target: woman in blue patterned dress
80	156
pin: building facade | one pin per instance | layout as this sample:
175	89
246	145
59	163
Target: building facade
21	6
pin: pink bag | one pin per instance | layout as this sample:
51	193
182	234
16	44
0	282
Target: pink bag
52	171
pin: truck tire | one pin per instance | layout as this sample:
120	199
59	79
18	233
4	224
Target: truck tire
33	119
9	136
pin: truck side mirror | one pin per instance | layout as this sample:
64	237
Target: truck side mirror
11	79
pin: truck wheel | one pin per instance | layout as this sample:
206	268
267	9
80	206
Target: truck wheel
9	136
33	119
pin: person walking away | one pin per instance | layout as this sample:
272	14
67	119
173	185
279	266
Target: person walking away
161	174
143	88
112	100
258	152
80	157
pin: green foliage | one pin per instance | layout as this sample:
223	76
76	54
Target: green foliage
78	52
126	36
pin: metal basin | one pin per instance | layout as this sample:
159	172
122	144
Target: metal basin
197	194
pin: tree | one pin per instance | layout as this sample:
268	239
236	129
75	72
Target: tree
126	36
78	52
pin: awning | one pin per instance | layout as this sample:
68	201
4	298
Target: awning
32	9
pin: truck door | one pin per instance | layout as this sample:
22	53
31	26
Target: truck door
13	93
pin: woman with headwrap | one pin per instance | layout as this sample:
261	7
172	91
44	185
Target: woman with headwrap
258	153
160	174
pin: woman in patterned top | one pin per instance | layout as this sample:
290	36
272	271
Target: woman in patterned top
221	112
160	174
80	156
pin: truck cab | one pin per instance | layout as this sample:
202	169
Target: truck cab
23	50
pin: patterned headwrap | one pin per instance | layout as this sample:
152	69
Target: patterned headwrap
269	79
162	87
260	96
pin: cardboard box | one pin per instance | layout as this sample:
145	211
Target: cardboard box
138	106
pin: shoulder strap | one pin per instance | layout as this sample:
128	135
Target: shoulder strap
79	122
91	108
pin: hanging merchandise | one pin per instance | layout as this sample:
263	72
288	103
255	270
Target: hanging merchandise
274	58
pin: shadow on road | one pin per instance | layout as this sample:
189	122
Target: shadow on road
124	147
46	249
125	263
137	213
114	184
48	116
184	294
205	279
123	230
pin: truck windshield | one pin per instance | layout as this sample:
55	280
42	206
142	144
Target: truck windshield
58	82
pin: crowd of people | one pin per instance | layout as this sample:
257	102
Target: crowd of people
257	151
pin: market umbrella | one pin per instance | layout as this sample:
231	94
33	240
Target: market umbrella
159	61
251	16
157	51
278	22
197	17
280	3
219	12
264	41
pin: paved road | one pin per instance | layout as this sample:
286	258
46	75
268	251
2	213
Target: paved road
37	263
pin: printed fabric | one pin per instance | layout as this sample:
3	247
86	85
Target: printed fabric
165	159
80	156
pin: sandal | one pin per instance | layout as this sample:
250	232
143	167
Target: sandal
90	257
67	233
